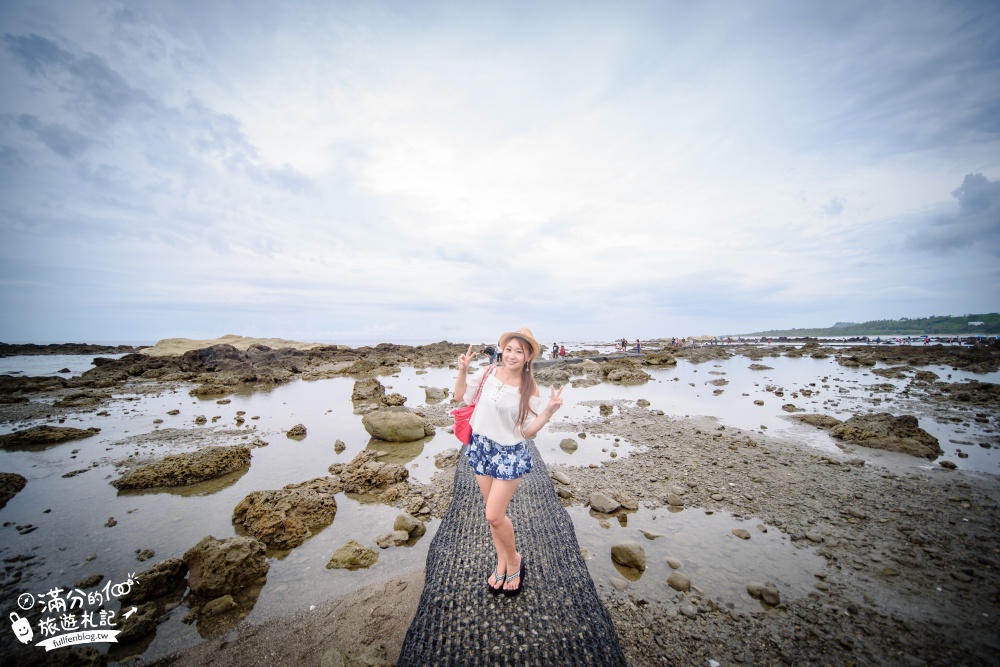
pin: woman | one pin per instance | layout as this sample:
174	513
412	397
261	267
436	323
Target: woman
506	415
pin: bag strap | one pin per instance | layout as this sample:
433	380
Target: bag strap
479	390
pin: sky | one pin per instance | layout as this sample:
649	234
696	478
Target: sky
394	171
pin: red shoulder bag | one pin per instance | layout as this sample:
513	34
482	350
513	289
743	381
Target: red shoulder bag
463	416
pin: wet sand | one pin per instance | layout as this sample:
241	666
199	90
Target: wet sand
366	626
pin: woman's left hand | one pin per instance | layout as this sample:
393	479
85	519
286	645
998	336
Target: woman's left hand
555	401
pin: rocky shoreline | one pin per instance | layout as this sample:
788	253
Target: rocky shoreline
912	560
15	349
911	553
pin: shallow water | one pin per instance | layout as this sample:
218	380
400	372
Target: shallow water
685	390
718	563
51	364
70	513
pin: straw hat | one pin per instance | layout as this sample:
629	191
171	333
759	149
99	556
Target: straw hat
525	333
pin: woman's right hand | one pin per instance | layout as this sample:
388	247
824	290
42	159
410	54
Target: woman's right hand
465	359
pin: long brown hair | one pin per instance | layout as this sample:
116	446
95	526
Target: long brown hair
528	384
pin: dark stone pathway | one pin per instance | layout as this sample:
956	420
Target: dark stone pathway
557	619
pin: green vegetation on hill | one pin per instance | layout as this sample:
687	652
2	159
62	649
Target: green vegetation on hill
941	325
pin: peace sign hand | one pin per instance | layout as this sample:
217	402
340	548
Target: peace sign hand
555	401
465	359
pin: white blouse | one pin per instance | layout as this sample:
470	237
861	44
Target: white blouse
497	409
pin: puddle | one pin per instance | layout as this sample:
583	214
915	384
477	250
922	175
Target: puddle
719	564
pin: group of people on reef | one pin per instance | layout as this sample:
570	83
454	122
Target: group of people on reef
717	340
978	340
622	345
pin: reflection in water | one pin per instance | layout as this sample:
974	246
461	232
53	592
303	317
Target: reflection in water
398	452
206	488
222	615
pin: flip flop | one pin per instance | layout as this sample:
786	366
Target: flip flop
501	578
514	592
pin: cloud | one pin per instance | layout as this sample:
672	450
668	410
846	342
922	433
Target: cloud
9	157
36	53
97	91
977	194
835	206
974	223
61	139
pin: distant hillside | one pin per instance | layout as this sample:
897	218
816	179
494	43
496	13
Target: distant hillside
934	325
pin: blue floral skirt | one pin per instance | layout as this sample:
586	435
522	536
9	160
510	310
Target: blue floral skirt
490	458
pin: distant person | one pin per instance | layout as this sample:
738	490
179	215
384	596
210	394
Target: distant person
492	351
638	346
878	340
562	351
555	350
508	414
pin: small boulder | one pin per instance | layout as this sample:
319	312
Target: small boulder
297	431
629	554
561	477
629	376
434	394
600	502
188	468
365	474
395	538
393	399
10	485
369	390
164	579
139	624
352	556
885	431
413	527
218	567
44	436
394	424
819	421
285	518
679	581
770	595
568	445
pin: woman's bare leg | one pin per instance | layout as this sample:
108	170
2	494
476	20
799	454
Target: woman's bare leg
485	485
501	527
